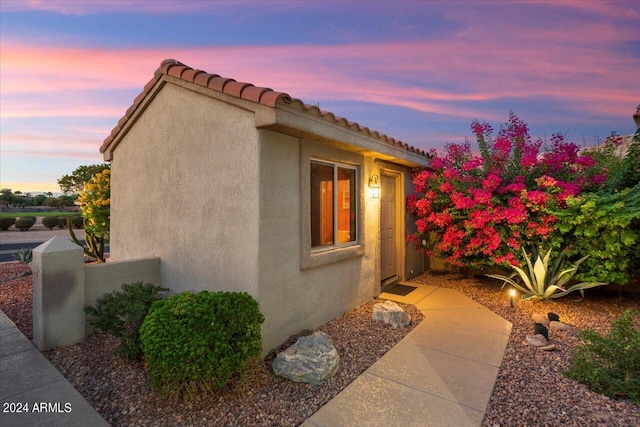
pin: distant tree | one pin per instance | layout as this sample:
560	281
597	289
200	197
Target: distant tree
48	194
66	200
53	202
6	194
75	182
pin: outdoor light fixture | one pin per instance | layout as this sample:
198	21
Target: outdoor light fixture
375	191
512	294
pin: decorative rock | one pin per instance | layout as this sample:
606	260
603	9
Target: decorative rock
391	313
558	326
548	347
537	340
539	318
312	359
539	328
553	317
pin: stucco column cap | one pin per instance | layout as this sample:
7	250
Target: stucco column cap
57	244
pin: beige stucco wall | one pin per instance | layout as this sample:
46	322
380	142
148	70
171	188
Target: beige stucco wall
103	278
292	296
224	205
185	188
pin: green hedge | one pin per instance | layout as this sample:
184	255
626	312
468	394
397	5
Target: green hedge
195	342
50	222
24	223
605	226
6	223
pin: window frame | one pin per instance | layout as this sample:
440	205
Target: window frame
322	152
336	203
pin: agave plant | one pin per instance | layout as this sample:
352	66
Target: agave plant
24	255
545	280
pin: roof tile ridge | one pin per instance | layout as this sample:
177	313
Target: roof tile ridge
235	88
263	95
357	126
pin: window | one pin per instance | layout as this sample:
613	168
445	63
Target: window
333	204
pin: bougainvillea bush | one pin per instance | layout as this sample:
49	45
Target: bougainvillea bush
481	209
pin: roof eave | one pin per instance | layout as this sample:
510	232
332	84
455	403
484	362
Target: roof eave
294	121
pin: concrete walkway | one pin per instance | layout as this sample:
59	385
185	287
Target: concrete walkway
31	384
441	374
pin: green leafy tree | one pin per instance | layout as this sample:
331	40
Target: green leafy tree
7	195
75	182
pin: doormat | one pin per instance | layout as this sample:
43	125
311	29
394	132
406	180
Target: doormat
402	290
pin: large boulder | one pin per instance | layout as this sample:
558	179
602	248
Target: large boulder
391	313
312	359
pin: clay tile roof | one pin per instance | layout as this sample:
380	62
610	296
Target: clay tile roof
247	91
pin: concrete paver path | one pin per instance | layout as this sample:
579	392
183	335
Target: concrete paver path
441	374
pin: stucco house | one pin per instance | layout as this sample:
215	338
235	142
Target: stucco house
242	188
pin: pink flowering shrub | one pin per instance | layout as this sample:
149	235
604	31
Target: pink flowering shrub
483	208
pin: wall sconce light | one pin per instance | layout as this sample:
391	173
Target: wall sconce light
375	191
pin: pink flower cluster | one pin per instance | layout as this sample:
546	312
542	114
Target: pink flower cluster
484	208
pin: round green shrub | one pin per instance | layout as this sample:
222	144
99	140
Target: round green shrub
77	221
195	342
62	222
5	223
24	223
121	313
50	222
609	364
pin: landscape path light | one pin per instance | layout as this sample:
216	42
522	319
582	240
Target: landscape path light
512	295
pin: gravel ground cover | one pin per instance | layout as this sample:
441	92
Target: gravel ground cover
530	390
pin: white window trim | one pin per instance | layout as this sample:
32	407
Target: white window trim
322	255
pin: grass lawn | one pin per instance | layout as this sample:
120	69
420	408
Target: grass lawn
36	214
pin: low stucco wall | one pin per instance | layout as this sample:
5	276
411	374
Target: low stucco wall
110	276
63	285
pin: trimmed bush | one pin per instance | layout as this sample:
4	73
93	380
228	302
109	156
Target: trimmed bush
50	222
610	364
24	223
62	222
5	223
195	342
77	222
121	313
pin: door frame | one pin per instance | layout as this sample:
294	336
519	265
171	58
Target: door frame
399	226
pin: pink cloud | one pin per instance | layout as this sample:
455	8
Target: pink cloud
219	7
465	69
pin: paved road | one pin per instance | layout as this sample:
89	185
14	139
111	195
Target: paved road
13	240
9	251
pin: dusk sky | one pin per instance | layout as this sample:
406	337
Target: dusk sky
419	71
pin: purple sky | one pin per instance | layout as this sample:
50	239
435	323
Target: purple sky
419	71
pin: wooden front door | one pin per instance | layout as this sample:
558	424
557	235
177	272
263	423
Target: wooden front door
388	230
